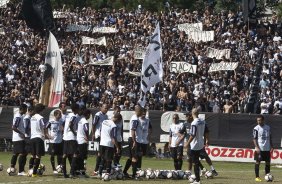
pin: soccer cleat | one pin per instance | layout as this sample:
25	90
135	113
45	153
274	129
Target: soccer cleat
126	175
95	173
34	175
22	174
72	176
258	179
203	172
196	182
55	172
214	172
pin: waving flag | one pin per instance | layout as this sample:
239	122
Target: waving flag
51	93
152	67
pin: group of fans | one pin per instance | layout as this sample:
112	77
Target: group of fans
22	60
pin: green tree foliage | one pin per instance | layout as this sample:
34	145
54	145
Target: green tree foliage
278	9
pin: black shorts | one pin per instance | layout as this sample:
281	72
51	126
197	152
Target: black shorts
119	146
176	152
263	156
83	150
70	147
203	153
19	147
107	153
56	148
144	149
195	155
28	148
37	147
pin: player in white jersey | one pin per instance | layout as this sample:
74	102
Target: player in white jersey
19	140
262	140
63	109
196	142
107	142
119	125
147	129
82	141
69	137
134	148
26	121
176	141
38	134
96	131
55	130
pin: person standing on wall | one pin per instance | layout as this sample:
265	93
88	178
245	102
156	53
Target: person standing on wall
262	140
196	142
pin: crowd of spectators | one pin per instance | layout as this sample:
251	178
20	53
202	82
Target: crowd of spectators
23	53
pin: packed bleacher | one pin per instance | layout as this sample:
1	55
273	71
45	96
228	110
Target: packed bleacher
22	59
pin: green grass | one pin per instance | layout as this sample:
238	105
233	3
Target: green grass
229	172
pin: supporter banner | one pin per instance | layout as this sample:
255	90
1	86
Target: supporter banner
152	67
3	3
231	154
88	41
107	61
218	54
223	66
104	30
204	36
137	74
190	27
51	93
2	32
139	53
182	67
74	27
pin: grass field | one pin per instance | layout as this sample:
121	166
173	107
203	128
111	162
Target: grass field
231	173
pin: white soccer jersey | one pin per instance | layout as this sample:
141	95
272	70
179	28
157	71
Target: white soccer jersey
262	134
71	121
97	121
145	125
132	119
197	131
82	131
55	129
175	131
63	118
18	123
26	122
37	126
108	132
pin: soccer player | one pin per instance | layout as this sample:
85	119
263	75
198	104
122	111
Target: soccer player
38	134
26	121
147	129
82	140
196	142
263	145
63	109
108	141
176	141
55	130
96	131
117	155
203	153
135	148
19	140
69	137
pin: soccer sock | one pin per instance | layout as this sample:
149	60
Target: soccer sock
31	163
197	171
98	160
52	160
108	167
70	159
36	165
101	166
175	161
267	168
127	165
59	159
21	163
64	161
73	165
180	162
257	170
201	166
14	160
139	162
134	168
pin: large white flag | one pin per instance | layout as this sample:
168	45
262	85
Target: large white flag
152	67
51	93
88	41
